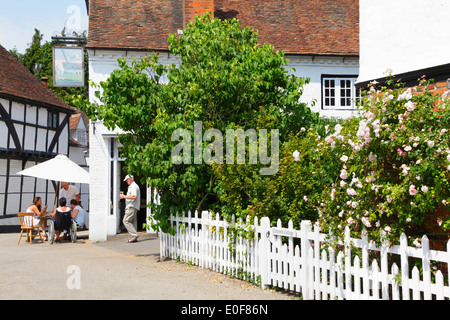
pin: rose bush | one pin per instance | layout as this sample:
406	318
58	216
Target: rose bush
394	163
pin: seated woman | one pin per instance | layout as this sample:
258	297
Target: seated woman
62	219
78	213
36	209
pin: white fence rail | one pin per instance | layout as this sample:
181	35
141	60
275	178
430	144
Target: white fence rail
294	260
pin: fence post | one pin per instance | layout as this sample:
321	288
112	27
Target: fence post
263	250
348	264
426	267
404	267
305	228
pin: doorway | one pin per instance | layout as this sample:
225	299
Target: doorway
142	213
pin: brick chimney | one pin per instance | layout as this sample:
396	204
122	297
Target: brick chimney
192	8
44	81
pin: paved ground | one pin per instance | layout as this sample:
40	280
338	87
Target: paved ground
111	270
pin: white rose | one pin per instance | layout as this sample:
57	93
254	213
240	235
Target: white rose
343	174
410	106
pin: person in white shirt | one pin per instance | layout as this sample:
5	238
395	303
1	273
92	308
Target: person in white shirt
132	205
69	192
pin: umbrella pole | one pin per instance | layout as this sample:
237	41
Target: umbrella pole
56	196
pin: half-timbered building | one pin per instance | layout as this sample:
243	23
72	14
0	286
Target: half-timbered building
34	127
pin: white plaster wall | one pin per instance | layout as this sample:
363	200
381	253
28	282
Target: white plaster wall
31	114
402	35
43	117
314	68
41	139
4	135
17	111
30	134
98	187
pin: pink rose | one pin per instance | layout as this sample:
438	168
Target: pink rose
412	190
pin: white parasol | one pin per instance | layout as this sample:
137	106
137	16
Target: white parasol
60	168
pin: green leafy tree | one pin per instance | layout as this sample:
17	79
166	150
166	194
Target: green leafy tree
225	80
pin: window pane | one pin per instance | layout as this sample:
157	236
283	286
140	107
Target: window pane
55	120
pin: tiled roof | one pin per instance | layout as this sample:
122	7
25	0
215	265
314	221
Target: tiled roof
17	81
328	27
133	24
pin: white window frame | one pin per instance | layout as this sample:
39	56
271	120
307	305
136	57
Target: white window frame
332	95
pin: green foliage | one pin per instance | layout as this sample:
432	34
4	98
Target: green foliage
394	164
295	192
224	80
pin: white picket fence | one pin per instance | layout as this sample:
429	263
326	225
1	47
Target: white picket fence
293	259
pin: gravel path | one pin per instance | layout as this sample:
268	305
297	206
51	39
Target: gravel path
111	270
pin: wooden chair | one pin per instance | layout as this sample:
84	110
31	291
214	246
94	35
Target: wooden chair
26	223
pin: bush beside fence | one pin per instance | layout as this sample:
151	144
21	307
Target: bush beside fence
300	260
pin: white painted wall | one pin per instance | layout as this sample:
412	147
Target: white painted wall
314	68
99	219
402	35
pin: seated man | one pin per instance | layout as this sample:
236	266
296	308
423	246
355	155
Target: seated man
63	219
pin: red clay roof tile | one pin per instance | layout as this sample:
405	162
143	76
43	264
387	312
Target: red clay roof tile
17	81
328	27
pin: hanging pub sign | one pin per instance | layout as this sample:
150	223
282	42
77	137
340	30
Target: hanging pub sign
68	67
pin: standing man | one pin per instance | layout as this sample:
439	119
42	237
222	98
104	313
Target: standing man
132	205
69	192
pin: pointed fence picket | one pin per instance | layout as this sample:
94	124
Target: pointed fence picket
299	260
